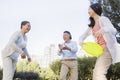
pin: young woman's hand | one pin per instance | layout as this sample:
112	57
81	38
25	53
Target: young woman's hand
23	55
29	59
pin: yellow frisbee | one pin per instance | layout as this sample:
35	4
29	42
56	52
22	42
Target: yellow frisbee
93	48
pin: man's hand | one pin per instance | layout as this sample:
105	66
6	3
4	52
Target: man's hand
66	48
60	47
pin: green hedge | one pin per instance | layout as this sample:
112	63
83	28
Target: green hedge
26	76
33	67
0	74
85	69
114	72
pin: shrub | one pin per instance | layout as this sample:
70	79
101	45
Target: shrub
32	70
85	69
0	74
26	69
26	76
56	66
114	72
48	74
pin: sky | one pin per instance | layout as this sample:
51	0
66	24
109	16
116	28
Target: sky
48	18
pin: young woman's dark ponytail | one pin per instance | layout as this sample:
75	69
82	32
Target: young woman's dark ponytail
98	10
92	22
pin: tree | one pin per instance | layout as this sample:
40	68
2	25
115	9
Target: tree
111	9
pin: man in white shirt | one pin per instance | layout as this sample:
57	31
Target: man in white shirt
69	58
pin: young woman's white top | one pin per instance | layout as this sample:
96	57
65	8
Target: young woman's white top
108	32
16	45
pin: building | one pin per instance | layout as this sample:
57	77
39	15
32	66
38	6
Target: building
47	57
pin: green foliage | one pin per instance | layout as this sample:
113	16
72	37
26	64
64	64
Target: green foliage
0	74
28	68
21	66
114	72
85	68
33	67
48	74
24	67
26	76
55	66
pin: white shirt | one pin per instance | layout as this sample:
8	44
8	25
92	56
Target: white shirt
109	35
67	54
16	45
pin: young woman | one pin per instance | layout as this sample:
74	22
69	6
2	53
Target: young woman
15	47
104	34
69	58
